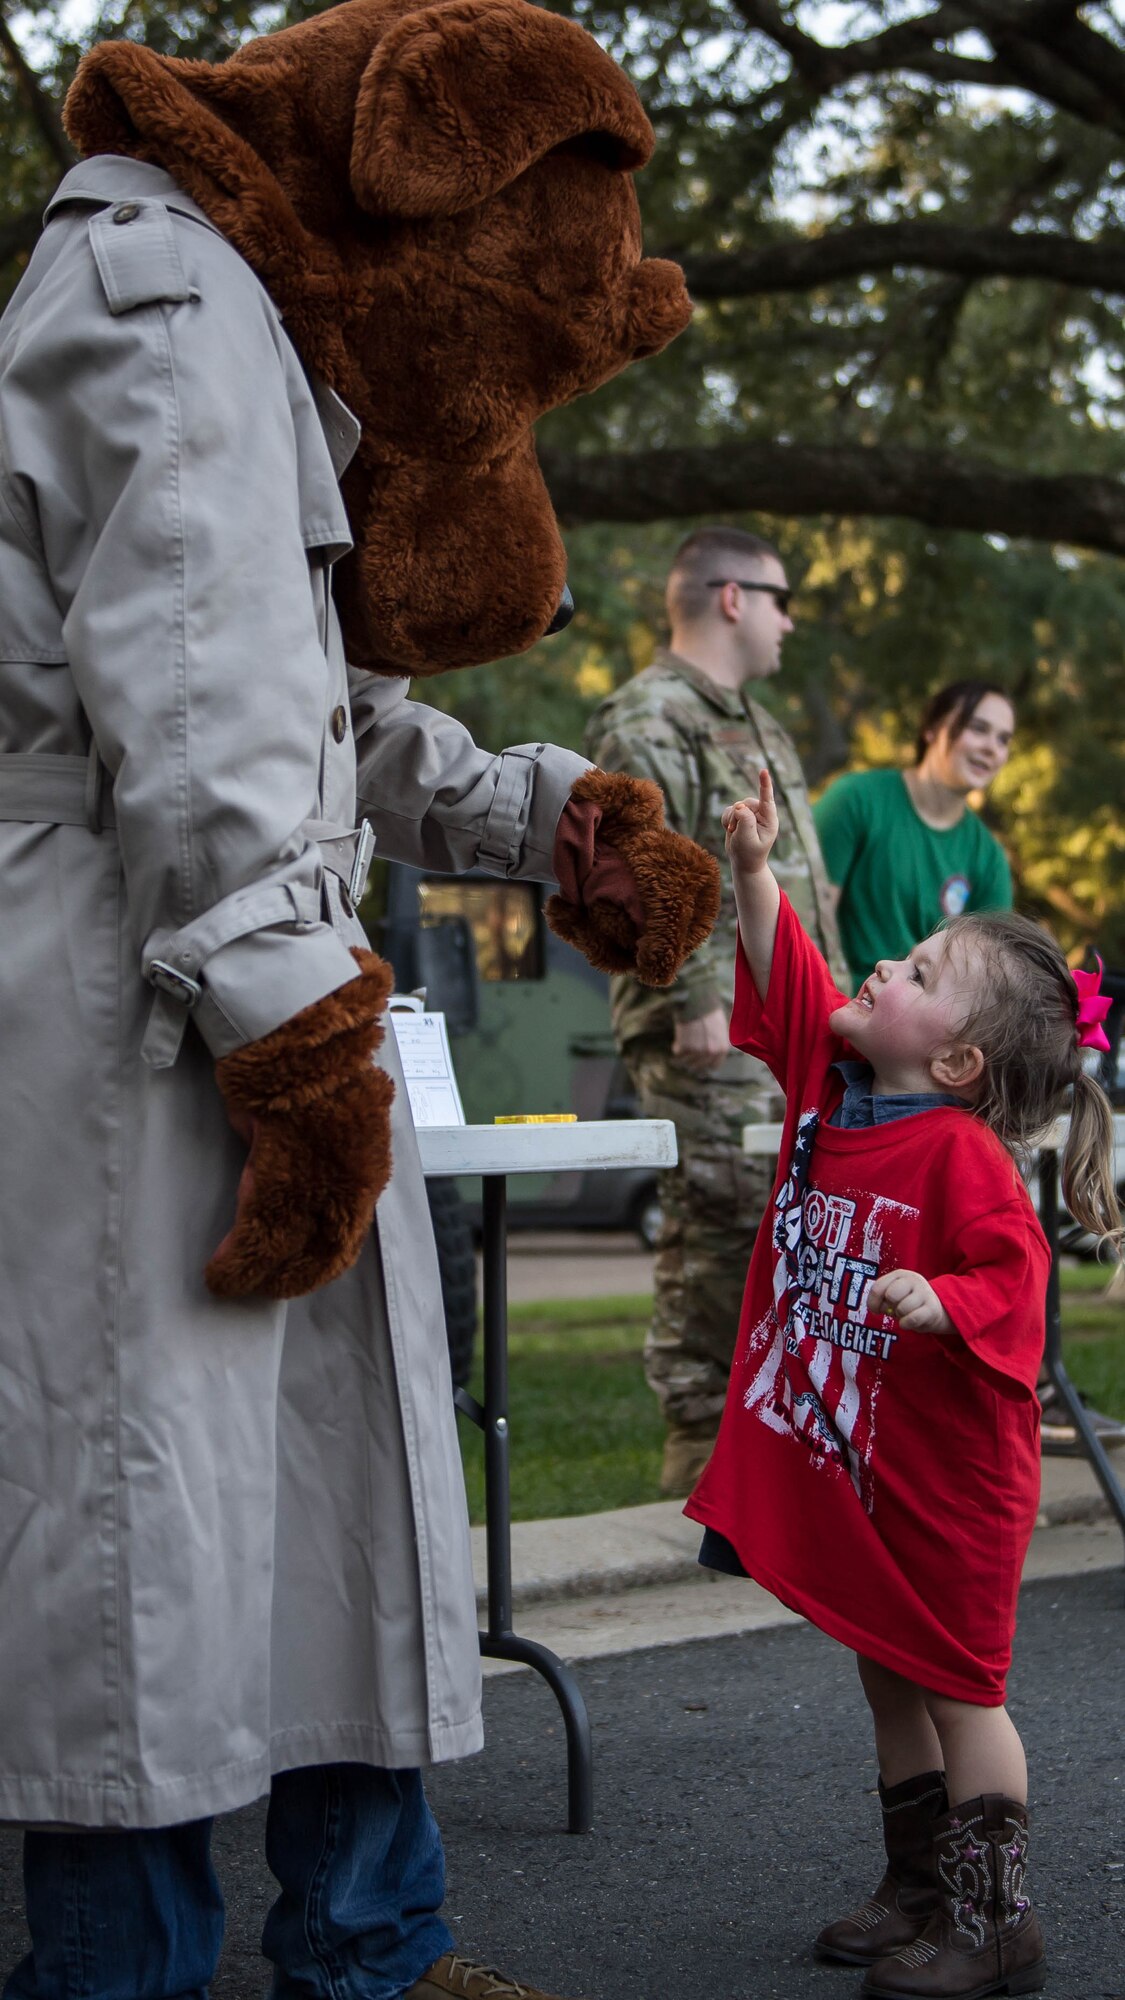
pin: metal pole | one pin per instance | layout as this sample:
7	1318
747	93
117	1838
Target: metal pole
497	1478
1091	1444
500	1642
568	1694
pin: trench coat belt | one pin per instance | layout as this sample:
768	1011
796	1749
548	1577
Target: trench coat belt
44	788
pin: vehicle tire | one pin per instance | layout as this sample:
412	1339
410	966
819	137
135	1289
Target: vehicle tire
647	1217
458	1268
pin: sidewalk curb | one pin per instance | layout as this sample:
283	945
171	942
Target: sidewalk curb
1080	1507
596	1555
655	1545
596	1581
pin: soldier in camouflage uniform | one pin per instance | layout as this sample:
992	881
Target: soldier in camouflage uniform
689	722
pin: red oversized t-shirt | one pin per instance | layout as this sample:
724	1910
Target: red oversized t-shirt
882	1483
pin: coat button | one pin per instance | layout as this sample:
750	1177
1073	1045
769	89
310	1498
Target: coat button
127	212
339	723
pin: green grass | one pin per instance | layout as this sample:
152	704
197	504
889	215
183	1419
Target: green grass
1093	1325
587	1435
586	1432
1085	1279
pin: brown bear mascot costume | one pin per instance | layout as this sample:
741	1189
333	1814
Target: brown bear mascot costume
267	391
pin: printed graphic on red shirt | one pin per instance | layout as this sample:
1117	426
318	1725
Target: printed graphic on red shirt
817	1358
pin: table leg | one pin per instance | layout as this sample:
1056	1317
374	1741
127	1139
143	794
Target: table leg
1091	1444
500	1642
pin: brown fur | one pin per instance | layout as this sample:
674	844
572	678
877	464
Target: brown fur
677	880
439	199
305	1058
318	1113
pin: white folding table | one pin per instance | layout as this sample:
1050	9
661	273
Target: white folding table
493	1152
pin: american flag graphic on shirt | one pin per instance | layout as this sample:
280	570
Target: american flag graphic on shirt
815	1357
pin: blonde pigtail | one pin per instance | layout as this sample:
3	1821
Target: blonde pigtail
1088	1164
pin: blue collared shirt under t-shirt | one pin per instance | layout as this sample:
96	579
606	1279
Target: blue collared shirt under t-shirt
861	1107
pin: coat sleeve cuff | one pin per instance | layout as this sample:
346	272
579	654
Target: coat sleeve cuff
255	985
532	791
241	969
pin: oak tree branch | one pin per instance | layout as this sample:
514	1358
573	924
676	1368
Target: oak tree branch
937	488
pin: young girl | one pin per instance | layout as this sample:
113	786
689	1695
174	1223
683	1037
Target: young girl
904	1279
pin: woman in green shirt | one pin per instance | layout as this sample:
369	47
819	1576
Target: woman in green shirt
905	848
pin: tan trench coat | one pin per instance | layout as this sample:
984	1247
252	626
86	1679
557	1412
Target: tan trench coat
233	1537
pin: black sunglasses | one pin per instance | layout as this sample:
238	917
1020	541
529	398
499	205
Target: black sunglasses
780	593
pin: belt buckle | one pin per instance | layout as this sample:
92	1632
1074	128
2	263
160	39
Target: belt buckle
361	865
176	984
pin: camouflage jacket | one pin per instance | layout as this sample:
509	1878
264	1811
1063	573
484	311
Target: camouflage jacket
704	745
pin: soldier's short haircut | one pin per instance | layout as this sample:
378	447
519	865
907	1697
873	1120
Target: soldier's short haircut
705	554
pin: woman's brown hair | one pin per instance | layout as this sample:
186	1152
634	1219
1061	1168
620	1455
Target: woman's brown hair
1025	1024
954	705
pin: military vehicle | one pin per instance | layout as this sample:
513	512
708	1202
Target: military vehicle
528	1023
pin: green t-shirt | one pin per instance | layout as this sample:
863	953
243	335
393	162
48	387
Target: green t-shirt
897	876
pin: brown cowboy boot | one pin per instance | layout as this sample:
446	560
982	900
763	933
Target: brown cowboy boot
906	1897
984	1936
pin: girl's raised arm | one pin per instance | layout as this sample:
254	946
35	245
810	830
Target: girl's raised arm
751	829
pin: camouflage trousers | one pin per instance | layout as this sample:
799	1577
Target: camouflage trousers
712	1203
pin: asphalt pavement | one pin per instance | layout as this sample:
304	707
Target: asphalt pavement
734	1783
734	1813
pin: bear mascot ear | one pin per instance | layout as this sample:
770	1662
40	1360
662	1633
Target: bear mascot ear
460	99
439	199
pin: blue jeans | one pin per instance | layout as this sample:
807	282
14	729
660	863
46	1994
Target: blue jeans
139	1915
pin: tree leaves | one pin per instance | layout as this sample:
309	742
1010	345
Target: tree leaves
906	235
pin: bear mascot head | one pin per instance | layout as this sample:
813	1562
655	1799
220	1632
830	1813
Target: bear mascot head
440	201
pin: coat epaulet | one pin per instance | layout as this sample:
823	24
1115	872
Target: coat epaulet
137	256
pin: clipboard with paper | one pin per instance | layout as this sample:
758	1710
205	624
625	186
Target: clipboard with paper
427	1063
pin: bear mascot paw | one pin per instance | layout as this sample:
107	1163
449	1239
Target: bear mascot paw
314	1111
633	896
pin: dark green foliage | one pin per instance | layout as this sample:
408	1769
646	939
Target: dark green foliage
968	130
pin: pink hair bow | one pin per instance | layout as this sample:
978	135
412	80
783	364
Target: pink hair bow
1093	1006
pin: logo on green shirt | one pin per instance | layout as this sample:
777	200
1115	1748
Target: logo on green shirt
954	895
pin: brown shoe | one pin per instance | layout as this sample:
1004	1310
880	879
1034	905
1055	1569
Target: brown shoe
687	1448
907	1896
466	1981
984	1936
